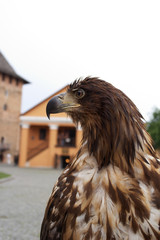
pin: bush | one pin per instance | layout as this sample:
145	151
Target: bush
153	127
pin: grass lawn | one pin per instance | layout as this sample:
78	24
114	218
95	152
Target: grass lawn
4	175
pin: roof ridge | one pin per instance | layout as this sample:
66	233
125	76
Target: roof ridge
6	68
5	65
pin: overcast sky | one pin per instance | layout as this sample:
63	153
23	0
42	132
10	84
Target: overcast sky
53	42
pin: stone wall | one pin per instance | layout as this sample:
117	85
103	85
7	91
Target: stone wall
10	104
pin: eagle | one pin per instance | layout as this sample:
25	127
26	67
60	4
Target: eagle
110	190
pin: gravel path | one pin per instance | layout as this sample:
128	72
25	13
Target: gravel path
23	199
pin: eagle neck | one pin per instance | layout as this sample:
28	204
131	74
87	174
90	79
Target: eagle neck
115	142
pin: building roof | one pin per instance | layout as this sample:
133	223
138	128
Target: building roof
44	101
7	69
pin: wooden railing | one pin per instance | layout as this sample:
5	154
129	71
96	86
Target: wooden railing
38	149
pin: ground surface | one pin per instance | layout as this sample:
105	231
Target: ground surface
23	198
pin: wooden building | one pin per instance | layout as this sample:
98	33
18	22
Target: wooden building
44	142
10	103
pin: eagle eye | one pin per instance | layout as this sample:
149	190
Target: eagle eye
80	93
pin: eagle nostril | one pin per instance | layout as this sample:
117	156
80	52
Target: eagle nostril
61	96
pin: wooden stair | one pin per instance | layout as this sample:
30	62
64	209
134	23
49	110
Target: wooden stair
38	149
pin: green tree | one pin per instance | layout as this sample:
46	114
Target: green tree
153	128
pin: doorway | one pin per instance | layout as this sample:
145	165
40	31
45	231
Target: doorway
64	161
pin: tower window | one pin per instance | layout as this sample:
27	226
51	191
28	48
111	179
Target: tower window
17	82
10	79
3	77
6	93
5	107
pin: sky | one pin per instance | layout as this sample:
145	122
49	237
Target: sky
50	43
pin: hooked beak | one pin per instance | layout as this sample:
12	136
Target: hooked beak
60	103
55	105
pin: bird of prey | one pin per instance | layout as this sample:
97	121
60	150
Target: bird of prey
111	188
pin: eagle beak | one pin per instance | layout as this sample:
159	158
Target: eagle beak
61	103
55	105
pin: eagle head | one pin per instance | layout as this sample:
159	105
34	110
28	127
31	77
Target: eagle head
82	101
112	125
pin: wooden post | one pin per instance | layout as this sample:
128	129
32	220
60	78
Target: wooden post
23	145
53	133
